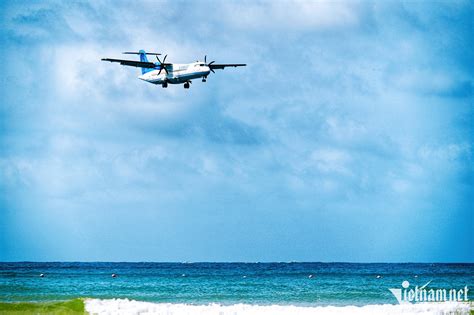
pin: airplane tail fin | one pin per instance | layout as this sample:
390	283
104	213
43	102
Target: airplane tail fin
143	58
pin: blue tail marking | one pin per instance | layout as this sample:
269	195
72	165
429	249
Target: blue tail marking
143	58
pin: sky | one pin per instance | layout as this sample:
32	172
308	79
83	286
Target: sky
348	137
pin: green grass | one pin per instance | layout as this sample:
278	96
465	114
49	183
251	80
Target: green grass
75	306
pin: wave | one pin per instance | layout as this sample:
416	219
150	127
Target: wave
125	306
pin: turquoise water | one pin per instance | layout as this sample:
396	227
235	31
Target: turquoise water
337	284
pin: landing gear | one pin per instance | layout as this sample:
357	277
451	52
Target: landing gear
204	79
164	85
186	85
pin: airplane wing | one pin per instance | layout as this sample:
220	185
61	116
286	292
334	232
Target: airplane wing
140	64
213	66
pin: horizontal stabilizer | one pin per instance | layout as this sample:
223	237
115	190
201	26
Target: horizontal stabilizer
140	52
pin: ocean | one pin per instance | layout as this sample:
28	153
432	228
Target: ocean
235	288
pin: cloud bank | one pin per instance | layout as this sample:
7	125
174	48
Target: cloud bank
347	138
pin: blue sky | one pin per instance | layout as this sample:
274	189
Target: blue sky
348	137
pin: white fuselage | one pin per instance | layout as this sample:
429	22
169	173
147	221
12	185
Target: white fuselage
177	73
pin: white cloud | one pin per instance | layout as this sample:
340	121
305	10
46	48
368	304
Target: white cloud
445	153
291	15
329	160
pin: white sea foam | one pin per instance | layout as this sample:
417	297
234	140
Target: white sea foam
125	306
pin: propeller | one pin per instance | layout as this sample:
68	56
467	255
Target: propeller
162	64
208	64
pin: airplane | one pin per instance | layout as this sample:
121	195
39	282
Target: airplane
174	73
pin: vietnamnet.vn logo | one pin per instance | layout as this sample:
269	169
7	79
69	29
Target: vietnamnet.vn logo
424	294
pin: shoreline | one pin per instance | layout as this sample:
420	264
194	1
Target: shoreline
128	306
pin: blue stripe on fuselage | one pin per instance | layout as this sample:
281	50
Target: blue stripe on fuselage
189	76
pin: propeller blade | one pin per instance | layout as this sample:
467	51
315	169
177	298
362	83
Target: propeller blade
159	72
161	68
209	65
205	58
162	65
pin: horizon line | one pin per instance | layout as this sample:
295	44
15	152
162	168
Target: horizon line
227	262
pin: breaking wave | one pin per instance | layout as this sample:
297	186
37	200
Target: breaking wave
125	306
